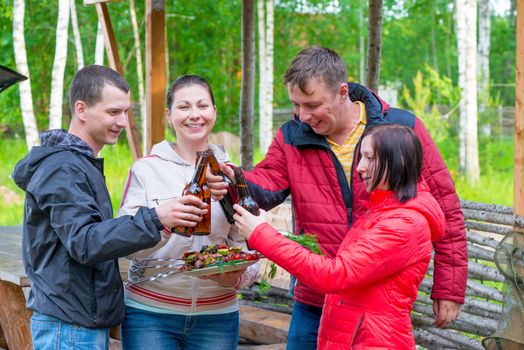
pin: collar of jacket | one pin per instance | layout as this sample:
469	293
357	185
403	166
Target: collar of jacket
306	137
381	198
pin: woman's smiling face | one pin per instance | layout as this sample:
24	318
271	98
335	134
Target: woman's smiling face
368	164
192	114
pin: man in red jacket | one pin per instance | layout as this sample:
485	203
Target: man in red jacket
312	157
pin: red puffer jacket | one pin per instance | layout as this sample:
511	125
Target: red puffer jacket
372	282
301	162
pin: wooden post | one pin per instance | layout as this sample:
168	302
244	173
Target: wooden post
519	114
133	137
14	317
155	71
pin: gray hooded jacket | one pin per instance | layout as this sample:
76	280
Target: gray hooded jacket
70	240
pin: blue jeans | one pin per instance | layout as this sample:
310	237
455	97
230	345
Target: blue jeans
50	333
303	329
145	330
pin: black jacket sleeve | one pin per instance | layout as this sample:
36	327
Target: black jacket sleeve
72	205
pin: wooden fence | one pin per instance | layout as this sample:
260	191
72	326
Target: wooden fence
486	226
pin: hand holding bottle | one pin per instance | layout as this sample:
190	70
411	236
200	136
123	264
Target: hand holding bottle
216	183
185	211
247	222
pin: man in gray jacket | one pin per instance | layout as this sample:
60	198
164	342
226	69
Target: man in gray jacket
71	242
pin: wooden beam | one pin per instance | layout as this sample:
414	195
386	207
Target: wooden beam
155	72
14	317
263	326
519	114
133	137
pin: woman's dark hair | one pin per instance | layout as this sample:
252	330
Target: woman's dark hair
398	159
184	81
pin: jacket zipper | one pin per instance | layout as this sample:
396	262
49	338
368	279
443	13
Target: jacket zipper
356	330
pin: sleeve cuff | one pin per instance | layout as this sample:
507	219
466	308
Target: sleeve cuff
155	219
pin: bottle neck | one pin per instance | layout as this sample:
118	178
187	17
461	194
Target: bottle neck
213	163
200	170
241	183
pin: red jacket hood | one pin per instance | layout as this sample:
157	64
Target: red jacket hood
424	203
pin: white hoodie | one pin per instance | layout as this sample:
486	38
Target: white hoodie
156	179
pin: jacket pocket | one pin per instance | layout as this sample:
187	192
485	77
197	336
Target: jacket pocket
156	200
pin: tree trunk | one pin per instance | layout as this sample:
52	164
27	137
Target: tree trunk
270	21
483	52
374	43
361	44
248	83
460	23
262	107
434	52
57	75
266	74
99	46
470	88
76	33
139	72
466	13
26	98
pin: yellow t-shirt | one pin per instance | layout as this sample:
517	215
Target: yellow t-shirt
345	151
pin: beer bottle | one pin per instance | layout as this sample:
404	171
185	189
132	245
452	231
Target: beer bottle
230	197
203	228
244	197
192	188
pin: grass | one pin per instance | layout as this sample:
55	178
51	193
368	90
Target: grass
495	185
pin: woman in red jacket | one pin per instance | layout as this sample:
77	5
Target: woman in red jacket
372	282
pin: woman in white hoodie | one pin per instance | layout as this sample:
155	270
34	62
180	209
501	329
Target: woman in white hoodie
182	312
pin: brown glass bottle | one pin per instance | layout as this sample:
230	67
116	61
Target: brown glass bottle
192	188
244	197
203	228
230	197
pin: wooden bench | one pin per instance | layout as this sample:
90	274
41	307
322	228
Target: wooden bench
263	326
14	317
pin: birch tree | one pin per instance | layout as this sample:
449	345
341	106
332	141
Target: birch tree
99	45
248	82
466	22
485	11
374	43
139	72
76	35
57	74
26	98
361	44
265	54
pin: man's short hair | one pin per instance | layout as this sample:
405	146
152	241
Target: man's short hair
316	63
89	82
398	156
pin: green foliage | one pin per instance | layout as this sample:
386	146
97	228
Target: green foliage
422	102
11	197
118	160
502	58
263	286
203	37
307	240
